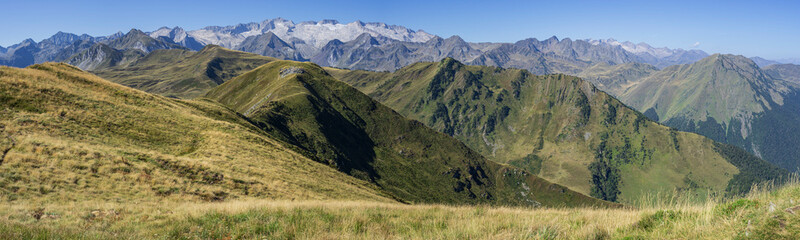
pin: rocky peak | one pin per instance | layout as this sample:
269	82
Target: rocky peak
365	39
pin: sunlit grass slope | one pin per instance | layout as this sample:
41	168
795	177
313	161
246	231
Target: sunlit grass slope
760	215
69	136
182	73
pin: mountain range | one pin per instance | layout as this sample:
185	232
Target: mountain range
490	115
509	103
356	45
284	130
330	43
559	127
611	65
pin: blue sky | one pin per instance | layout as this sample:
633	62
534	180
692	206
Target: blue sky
769	29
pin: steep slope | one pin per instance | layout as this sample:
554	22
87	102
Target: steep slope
177	36
786	72
136	39
381	54
61	46
268	44
338	125
20	55
181	73
69	136
659	57
614	79
112	52
101	56
553	55
729	99
64	54
558	127
761	62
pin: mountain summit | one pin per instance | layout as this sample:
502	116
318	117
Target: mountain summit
729	99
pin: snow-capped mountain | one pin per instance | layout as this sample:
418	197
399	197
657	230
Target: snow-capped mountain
311	33
660	57
177	35
358	45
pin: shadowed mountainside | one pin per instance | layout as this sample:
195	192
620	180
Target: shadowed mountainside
558	127
338	125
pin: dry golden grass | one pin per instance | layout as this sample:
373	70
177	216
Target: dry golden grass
309	219
68	175
761	215
77	137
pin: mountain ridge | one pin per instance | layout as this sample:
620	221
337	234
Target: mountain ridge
340	126
91	131
558	127
202	150
727	98
397	47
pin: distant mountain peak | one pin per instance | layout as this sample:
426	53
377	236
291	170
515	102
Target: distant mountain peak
761	62
659	57
116	35
366	39
273	40
136	32
455	38
61	34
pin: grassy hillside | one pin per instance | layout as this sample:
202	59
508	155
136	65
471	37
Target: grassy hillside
761	215
69	136
182	73
786	72
339	126
729	99
556	126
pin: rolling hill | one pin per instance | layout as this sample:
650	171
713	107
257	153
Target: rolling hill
182	73
561	128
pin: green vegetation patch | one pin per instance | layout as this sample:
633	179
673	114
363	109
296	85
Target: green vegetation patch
658	219
732	207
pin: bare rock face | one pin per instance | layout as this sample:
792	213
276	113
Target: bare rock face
291	70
